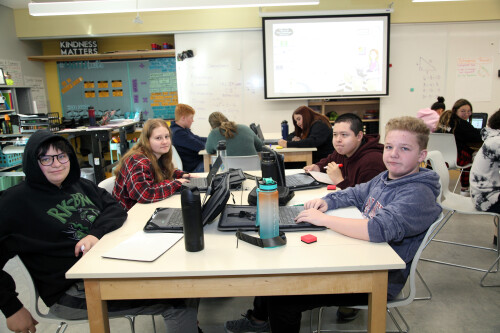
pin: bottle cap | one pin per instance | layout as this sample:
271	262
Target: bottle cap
267	184
284	122
221	145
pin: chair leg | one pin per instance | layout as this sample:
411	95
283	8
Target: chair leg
407	328
488	272
458	180
131	320
426	287
62	326
154	324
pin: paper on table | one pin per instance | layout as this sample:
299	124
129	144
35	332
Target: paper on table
143	246
321	177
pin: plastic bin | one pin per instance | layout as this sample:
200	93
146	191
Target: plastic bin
87	173
8	160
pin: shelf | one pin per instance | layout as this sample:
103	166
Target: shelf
108	56
10	167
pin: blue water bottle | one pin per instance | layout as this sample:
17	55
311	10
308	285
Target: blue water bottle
284	129
267	209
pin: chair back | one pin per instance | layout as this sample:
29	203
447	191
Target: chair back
245	163
176	158
108	184
439	166
446	144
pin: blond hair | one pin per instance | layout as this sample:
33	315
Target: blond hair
183	110
412	125
226	127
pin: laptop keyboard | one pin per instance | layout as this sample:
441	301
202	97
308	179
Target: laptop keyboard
288	214
172	220
199	182
299	179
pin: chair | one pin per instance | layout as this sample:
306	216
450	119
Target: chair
455	203
176	158
108	184
446	144
402	300
245	163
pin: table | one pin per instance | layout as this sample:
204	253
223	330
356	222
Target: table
335	264
290	154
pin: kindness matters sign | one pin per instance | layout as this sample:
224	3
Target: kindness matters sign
78	47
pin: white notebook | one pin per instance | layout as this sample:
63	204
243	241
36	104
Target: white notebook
321	177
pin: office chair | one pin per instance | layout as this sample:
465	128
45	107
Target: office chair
446	144
402	300
108	184
176	158
245	163
455	203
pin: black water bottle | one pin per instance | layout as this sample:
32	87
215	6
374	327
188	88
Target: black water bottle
191	215
269	167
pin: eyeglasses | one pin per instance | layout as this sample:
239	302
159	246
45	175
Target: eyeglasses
47	160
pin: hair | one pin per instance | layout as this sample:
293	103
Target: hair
163	167
458	104
412	125
309	116
58	143
227	128
183	110
439	104
445	122
494	121
355	122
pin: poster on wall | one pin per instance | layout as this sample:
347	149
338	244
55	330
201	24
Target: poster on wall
13	67
474	78
37	93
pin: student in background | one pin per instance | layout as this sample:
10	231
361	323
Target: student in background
66	217
146	173
430	116
312	129
240	139
467	137
398	207
360	155
187	144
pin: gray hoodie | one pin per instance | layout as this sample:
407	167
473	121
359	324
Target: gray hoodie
399	211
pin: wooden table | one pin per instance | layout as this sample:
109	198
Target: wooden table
335	264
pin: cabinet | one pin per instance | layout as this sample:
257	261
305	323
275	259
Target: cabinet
22	102
366	109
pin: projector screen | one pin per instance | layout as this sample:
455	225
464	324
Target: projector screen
326	56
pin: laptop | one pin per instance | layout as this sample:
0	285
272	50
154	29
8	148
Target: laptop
479	120
256	129
238	217
170	219
203	183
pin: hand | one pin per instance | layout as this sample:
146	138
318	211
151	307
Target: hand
186	176
318	204
296	138
333	171
22	321
282	143
88	242
312	167
183	180
312	216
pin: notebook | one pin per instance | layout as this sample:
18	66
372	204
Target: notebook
238	217
256	129
202	183
170	219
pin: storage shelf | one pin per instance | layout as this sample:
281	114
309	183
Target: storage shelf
144	54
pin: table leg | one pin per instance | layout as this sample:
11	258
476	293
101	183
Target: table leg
377	303
97	309
206	162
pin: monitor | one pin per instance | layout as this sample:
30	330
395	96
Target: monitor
479	120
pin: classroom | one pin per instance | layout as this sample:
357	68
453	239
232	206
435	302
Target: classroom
430	45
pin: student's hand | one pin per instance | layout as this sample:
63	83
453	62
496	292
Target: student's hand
186	176
22	321
312	216
88	242
333	171
296	138
282	143
183	180
318	204
312	167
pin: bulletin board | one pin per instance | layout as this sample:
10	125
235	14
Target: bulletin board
128	86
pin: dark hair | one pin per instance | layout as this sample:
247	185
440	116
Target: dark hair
439	104
494	121
458	104
309	116
57	143
355	122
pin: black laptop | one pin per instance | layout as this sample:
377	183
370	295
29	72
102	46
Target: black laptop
202	183
170	219
256	129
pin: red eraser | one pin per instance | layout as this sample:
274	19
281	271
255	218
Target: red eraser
308	238
331	187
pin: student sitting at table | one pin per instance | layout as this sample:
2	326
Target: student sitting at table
359	154
430	116
187	144
240	139
398	207
65	217
146	173
312	129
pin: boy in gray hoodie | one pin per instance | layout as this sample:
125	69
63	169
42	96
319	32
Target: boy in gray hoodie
398	207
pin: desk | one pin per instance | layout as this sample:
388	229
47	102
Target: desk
335	264
290	154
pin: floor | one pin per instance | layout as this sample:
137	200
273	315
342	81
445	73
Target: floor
459	303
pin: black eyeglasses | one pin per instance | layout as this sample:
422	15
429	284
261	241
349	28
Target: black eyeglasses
47	160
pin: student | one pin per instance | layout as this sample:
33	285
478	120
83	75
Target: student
431	116
187	144
360	155
240	139
65	213
466	136
398	207
146	173
311	130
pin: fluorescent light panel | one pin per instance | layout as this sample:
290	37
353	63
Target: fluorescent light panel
434	0
128	6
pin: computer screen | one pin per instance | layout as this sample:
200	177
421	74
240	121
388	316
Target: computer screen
479	120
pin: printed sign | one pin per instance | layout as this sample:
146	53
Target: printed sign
72	47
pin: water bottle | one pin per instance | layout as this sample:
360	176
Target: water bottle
191	216
267	209
221	151
269	167
284	129
91	112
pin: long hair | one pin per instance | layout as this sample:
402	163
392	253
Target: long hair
458	104
163	167
226	127
309	116
447	122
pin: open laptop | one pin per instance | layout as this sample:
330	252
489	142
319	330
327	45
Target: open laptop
170	219
202	183
256	129
479	120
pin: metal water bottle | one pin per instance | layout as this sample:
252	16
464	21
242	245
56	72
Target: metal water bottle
91	112
191	216
221	151
267	209
284	129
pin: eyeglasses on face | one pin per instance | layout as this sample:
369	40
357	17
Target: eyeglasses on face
47	160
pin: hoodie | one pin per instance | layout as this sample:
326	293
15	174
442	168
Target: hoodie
430	118
399	212
42	223
484	174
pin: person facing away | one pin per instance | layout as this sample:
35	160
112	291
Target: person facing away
359	154
430	116
312	129
65	213
187	144
146	173
240	139
398	206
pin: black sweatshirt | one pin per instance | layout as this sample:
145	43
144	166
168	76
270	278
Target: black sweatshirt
42	224
320	136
